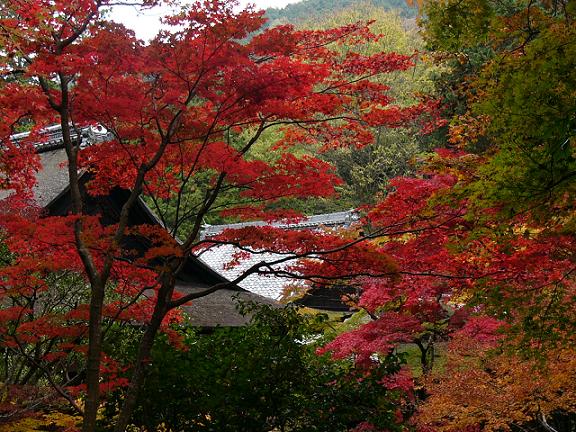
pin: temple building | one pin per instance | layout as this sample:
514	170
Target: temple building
200	272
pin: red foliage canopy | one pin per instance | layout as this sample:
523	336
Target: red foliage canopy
184	112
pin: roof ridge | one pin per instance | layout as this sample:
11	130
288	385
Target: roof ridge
92	134
345	218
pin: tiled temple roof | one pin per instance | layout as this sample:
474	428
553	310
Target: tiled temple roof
51	137
217	308
52	179
337	219
218	257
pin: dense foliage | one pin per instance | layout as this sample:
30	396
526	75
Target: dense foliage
184	113
483	236
319	9
471	256
260	377
366	171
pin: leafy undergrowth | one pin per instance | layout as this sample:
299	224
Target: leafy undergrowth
59	421
54	421
34	408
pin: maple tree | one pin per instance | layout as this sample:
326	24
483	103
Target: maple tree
477	249
497	390
366	171
518	133
184	111
463	276
483	237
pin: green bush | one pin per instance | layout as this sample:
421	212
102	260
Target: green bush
261	377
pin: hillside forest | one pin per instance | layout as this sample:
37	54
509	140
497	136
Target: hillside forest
448	126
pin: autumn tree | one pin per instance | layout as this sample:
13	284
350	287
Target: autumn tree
367	171
184	111
517	128
507	290
500	391
483	236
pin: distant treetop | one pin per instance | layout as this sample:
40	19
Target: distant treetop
306	9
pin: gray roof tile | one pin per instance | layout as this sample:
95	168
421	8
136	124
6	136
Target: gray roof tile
51	180
219	308
275	287
336	219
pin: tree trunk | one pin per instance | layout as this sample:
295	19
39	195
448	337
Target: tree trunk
94	358
426	354
160	310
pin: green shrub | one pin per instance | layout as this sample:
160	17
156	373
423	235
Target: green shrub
261	377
